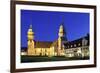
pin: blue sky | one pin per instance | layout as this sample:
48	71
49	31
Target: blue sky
46	24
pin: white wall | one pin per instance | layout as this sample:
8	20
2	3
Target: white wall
5	37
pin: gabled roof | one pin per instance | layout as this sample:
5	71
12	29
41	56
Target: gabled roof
43	44
76	43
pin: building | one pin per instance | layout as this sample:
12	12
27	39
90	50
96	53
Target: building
42	48
77	48
59	47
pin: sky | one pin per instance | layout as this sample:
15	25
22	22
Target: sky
45	25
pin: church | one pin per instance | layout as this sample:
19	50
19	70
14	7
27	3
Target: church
42	48
59	47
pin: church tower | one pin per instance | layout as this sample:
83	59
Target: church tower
61	36
61	31
30	36
30	33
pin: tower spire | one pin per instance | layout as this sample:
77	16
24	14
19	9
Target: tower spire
31	26
61	33
30	33
61	29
